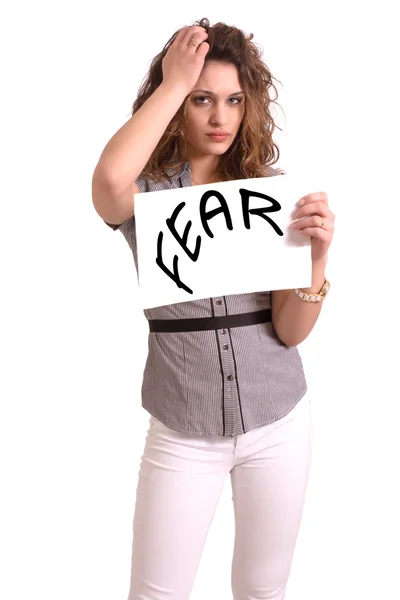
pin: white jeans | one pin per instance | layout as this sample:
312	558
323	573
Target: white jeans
180	482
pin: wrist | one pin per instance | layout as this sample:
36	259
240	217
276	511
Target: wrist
320	263
179	90
318	277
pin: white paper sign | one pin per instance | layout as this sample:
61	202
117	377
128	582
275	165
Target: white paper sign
220	239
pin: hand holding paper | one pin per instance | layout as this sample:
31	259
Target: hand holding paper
317	221
219	239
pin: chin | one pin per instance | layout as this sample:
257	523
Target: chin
212	148
216	149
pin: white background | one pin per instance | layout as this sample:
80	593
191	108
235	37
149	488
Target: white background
74	340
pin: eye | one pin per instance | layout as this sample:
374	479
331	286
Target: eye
199	98
238	100
205	99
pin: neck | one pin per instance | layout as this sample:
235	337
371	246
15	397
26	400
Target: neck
203	168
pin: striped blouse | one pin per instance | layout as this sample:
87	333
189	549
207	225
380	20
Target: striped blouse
222	381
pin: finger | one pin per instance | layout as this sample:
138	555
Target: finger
321	196
196	32
317	208
196	42
180	36
313	221
203	49
317	233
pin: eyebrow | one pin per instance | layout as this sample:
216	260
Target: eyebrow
212	93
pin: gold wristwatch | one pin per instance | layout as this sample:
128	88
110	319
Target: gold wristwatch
314	297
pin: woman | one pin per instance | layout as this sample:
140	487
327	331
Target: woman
223	382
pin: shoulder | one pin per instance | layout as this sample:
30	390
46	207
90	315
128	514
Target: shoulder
147	183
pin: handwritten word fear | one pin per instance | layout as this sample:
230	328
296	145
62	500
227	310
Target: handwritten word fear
206	216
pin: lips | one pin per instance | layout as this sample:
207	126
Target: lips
218	137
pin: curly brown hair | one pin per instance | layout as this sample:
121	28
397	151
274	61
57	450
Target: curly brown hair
253	150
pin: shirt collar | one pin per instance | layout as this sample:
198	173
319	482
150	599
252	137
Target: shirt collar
185	168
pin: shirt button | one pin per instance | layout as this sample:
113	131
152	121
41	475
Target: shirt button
223	331
219	302
229	377
225	346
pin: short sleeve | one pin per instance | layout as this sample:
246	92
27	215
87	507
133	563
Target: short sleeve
143	187
274	172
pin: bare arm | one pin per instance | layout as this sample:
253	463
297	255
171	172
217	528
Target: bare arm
128	151
293	318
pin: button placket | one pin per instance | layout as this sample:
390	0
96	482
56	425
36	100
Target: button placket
231	402
188	175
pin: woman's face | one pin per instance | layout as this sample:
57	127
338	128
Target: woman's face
216	105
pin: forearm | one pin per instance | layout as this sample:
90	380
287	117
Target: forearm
128	151
296	317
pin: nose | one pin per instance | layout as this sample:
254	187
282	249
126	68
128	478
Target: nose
219	115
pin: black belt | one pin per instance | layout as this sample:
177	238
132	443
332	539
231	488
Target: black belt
204	323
